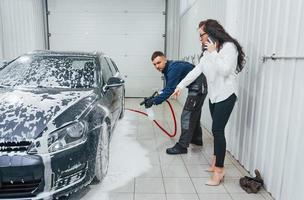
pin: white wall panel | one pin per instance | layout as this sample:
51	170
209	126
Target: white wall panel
22	27
189	37
172	32
1	39
292	186
128	31
265	129
185	5
107	6
267	93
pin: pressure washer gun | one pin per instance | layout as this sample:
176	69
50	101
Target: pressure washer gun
149	110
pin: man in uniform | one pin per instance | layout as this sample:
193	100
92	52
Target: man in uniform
174	72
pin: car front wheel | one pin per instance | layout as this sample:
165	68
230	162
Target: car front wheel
123	102
102	155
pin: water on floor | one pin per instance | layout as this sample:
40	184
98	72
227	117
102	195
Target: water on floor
140	169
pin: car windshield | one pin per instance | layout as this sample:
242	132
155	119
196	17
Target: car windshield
50	71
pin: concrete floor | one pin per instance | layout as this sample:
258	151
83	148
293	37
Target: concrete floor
140	169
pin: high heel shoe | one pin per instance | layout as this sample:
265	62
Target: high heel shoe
216	179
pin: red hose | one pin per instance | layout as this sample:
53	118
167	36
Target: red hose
164	130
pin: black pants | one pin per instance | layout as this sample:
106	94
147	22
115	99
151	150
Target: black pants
220	113
190	119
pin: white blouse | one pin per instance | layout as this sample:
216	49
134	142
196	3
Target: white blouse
220	71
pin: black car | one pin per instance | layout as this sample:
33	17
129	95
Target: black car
57	113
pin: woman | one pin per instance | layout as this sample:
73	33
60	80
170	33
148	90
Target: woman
222	59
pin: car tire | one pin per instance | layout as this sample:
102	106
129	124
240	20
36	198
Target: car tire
122	113
102	154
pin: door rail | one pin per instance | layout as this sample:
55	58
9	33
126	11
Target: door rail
275	57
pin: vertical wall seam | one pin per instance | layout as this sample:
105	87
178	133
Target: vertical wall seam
2	33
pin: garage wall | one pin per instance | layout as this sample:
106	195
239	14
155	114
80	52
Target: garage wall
172	29
267	134
192	12
128	31
265	130
1	39
22	27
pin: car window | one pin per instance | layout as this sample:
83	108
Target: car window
105	70
115	66
50	71
113	69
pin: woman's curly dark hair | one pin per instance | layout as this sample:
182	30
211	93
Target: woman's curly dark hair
216	30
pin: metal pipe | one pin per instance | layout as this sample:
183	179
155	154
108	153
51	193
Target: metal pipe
274	57
46	24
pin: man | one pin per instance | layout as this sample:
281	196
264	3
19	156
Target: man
174	72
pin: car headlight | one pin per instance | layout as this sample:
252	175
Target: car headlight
66	137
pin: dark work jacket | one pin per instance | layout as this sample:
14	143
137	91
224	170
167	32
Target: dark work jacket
174	72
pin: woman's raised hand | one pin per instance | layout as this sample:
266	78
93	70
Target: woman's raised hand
211	46
176	93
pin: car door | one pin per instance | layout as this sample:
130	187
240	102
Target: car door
121	89
108	94
118	91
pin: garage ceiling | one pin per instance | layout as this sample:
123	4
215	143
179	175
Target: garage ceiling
127	30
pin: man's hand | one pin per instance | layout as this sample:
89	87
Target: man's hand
148	102
176	93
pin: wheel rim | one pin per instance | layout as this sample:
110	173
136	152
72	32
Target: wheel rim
102	154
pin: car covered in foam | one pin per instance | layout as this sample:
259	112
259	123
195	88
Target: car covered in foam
58	111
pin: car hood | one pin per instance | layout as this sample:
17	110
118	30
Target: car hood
24	114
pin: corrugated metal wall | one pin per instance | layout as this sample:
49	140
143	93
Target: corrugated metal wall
265	130
22	27
268	128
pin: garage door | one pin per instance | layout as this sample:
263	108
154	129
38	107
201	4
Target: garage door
126	30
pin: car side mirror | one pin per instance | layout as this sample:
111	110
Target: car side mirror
113	82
